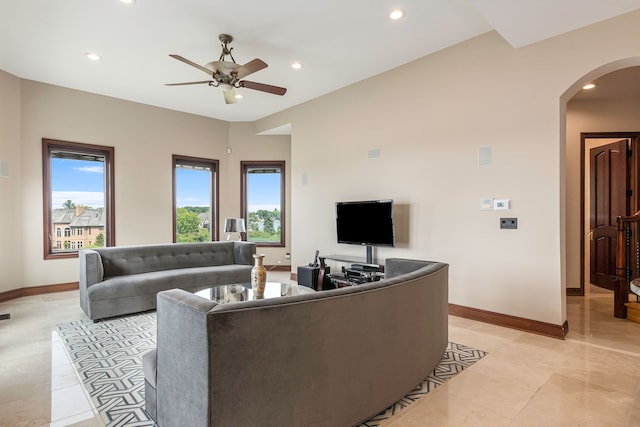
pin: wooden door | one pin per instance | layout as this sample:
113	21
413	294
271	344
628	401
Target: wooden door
609	184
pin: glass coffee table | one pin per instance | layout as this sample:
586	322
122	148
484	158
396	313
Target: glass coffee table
226	294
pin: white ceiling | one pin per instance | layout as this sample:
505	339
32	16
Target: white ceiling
339	42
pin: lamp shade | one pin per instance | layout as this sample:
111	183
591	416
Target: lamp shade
234	225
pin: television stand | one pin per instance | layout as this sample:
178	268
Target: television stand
354	260
369	254
360	270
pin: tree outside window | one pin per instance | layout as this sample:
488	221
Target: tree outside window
195	200
263	201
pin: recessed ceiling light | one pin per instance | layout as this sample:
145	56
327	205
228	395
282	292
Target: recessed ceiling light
93	56
589	86
296	65
128	1
396	14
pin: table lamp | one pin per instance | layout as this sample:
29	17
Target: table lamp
234	225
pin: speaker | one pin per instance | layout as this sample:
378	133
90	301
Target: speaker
4	168
484	156
308	276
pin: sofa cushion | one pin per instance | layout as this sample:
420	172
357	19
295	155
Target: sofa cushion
126	260
153	282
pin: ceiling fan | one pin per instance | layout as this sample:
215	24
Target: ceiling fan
227	75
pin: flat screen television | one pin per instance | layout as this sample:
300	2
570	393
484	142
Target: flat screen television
367	223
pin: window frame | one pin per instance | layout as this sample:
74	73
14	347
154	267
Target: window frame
214	165
51	145
245	166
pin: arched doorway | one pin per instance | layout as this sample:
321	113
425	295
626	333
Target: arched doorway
612	110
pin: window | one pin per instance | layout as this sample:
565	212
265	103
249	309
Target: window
78	193
263	201
195	199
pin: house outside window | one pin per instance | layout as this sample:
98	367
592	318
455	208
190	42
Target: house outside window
263	201
78	187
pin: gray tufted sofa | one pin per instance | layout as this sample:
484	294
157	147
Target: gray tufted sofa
330	358
125	279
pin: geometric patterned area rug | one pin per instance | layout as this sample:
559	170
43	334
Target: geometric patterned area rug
106	356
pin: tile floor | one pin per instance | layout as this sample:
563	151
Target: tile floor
589	379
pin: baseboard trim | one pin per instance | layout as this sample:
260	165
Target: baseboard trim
575	292
278	267
37	290
513	322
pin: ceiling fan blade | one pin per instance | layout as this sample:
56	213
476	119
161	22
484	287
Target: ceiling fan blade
276	90
230	96
193	64
188	83
251	67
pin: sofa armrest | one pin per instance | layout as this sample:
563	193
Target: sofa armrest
91	272
394	267
183	359
243	252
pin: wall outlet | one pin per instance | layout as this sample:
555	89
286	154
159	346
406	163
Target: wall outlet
287	256
509	223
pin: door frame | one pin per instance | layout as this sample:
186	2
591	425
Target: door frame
633	182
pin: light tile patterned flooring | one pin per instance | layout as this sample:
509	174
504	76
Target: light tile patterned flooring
589	379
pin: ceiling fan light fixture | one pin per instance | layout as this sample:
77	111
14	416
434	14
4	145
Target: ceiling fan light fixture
396	14
225	86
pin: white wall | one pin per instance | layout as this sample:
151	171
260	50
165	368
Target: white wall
10	201
144	138
428	118
246	145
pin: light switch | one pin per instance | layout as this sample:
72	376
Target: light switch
486	204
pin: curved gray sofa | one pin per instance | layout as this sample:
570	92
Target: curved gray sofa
125	279
331	358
